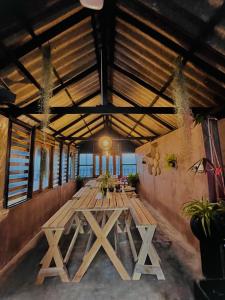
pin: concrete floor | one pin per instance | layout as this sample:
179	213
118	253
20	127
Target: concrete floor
101	280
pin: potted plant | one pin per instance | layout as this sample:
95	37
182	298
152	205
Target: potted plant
133	180
171	161
118	188
79	182
104	187
203	216
111	188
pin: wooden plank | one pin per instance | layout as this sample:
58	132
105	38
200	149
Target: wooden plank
138	214
146	212
51	221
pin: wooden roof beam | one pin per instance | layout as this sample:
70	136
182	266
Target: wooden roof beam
109	109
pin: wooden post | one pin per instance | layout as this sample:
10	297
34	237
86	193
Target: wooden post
114	164
51	164
94	163
214	190
31	163
67	163
100	164
121	167
60	163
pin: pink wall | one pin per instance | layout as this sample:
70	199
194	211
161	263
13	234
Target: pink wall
168	191
24	221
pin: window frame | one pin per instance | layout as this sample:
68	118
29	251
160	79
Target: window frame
29	157
87	165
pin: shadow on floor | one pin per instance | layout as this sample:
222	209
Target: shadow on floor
101	280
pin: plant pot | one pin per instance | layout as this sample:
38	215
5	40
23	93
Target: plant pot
111	189
210	248
211	289
117	188
219	223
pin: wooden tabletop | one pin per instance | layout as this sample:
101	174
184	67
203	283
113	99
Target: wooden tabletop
89	200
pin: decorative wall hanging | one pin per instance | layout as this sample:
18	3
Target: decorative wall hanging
171	161
202	166
152	158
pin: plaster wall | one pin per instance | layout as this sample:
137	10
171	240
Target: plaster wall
172	188
24	221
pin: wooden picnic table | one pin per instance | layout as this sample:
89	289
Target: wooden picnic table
111	208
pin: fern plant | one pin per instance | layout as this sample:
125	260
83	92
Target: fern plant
202	209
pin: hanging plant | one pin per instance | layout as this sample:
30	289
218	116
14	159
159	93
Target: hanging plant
47	86
171	161
181	97
43	164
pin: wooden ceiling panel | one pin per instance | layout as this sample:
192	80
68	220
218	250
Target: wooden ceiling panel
63	121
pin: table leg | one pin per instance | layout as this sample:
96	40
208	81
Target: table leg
101	234
54	253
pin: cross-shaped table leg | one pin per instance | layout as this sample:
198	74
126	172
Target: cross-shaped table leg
101	234
147	249
54	253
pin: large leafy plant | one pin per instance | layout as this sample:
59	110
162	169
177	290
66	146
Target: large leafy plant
202	209
133	179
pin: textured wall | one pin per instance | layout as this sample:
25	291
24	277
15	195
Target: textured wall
168	191
25	220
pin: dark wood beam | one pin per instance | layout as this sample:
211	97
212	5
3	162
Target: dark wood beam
132	138
110	109
103	23
48	35
200	63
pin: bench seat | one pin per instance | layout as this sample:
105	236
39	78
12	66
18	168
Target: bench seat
146	225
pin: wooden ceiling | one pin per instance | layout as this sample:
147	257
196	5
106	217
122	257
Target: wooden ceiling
122	57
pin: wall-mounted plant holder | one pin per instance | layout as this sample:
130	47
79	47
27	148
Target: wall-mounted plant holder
171	161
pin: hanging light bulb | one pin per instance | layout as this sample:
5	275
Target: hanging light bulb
92	4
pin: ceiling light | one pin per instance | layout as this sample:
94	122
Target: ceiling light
92	4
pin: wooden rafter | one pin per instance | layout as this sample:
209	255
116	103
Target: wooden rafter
110	109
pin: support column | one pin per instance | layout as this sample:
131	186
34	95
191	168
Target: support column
4	125
210	141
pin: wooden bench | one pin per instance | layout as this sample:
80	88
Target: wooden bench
59	224
146	225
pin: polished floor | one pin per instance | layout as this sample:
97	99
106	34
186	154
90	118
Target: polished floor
101	281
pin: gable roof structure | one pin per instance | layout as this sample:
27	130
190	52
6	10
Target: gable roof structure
113	66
